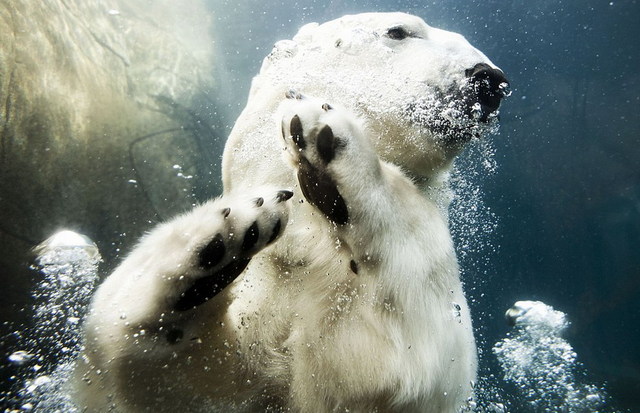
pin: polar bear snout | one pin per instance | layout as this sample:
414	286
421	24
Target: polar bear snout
489	86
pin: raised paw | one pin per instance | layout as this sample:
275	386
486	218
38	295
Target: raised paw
325	144
242	226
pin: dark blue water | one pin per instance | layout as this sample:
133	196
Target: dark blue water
563	204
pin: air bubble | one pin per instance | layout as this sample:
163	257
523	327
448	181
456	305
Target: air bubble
457	312
38	382
20	357
496	408
476	110
27	407
504	89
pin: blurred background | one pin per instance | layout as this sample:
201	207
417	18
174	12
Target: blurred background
113	116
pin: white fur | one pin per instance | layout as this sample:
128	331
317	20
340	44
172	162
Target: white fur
300	329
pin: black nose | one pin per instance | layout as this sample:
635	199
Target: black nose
489	87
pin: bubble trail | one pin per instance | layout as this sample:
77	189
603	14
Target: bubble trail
542	364
68	262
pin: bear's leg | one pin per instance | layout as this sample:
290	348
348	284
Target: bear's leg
185	262
167	303
394	254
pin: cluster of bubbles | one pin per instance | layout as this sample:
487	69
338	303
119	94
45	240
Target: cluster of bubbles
534	356
448	115
473	225
542	364
68	263
472	221
180	172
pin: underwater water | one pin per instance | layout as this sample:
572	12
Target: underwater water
546	210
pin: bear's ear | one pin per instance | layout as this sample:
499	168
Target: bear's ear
283	49
305	34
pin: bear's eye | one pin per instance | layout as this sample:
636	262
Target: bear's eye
398	33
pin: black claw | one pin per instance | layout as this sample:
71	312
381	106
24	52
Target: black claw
283	195
212	253
292	94
275	232
250	238
354	266
326	144
206	288
296	132
226	212
259	202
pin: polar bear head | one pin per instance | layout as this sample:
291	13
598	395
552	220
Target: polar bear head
423	92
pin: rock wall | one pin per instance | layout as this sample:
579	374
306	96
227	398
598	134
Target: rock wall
108	122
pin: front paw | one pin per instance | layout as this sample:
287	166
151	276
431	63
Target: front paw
321	140
245	226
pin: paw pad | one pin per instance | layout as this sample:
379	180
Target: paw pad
250	238
314	146
212	253
246	228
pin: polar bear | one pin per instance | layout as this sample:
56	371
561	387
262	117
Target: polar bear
325	278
